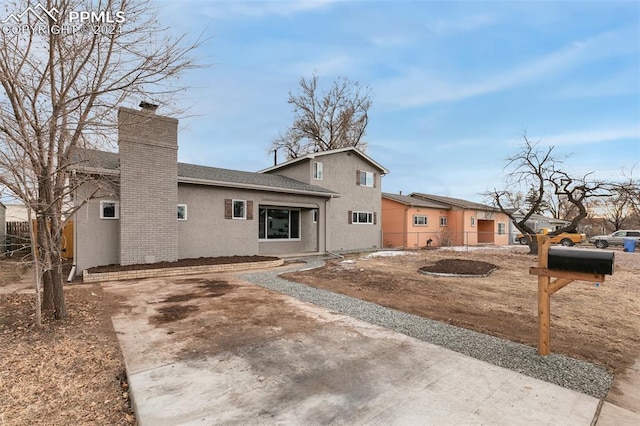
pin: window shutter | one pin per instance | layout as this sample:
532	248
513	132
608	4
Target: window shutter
228	207
350	217
375	218
375	178
249	210
358	177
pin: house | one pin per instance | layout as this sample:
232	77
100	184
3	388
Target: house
443	220
412	222
353	217
146	207
17	213
536	221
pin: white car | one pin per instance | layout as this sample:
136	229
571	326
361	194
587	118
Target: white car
615	239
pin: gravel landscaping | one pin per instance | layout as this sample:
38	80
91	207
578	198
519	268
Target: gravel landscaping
570	373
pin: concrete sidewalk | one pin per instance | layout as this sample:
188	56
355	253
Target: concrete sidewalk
341	371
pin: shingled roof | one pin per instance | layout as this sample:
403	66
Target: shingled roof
94	160
454	202
414	202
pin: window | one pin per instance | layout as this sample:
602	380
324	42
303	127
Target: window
501	228
473	221
443	221
317	170
315	215
366	178
109	209
182	212
362	217
239	209
278	224
419	220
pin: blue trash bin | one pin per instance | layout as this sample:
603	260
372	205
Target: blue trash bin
629	245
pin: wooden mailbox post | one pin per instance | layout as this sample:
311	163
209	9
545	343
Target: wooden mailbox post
567	265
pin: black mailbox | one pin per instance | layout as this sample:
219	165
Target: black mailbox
581	260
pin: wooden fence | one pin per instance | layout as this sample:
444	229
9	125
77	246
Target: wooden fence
17	238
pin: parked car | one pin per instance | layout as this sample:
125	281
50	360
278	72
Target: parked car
615	239
564	238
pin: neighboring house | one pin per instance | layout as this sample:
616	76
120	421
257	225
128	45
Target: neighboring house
457	222
411	222
150	208
17	213
535	222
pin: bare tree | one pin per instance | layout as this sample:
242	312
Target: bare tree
334	119
62	81
538	173
629	192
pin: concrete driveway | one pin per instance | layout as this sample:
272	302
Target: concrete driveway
213	349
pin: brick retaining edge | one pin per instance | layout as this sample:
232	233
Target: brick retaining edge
172	272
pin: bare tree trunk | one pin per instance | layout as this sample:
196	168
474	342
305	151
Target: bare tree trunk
41	253
37	272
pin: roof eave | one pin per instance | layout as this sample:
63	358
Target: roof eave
256	187
96	170
313	155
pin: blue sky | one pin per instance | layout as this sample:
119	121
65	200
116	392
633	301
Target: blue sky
454	84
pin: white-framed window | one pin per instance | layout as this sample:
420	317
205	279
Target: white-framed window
182	212
420	220
109	209
314	214
473	221
239	209
278	224
367	218
366	178
443	221
502	228
317	170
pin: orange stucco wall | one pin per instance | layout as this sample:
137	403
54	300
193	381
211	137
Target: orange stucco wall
399	231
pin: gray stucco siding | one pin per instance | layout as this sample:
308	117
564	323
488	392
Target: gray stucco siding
206	232
98	241
299	171
339	175
340	171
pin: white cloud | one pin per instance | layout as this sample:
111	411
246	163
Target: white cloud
232	9
584	137
420	87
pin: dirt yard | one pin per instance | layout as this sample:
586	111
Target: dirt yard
597	323
70	371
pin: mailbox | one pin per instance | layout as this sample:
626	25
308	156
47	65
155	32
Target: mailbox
581	260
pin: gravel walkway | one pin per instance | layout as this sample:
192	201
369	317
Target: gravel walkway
570	373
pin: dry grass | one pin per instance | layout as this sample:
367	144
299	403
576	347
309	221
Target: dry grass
70	371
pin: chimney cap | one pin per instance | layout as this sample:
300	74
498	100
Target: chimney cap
148	106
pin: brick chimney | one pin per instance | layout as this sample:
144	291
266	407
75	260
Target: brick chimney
148	147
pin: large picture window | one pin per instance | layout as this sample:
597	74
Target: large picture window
278	224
